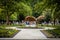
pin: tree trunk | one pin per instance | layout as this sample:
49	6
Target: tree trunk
53	15
54	22
7	19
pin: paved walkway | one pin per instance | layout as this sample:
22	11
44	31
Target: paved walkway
30	34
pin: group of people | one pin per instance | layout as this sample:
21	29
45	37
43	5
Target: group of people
30	23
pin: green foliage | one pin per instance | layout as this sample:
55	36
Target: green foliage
47	14
24	8
13	16
9	7
29	8
7	33
21	17
55	32
2	16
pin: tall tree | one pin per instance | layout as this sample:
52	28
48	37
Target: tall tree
9	7
54	4
24	10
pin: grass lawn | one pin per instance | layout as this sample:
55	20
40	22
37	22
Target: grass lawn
7	33
4	25
54	32
41	25
13	25
47	34
57	26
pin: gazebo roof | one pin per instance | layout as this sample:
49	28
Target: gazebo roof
30	18
41	17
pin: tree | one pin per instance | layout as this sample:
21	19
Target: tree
29	7
47	14
54	4
21	17
39	6
24	9
9	7
13	16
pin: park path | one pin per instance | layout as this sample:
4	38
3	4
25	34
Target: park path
30	34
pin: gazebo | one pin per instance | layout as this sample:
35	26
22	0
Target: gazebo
30	21
40	18
30	18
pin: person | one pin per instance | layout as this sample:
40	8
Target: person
27	22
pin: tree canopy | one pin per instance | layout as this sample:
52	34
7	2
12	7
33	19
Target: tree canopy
15	9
